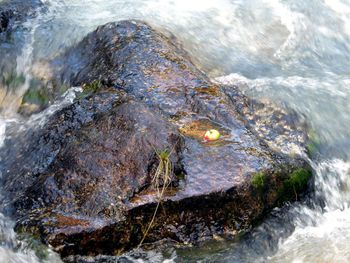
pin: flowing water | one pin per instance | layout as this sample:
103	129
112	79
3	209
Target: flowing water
294	52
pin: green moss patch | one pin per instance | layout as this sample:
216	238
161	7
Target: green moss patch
313	143
295	183
89	89
258	180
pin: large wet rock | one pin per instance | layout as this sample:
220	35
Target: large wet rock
84	181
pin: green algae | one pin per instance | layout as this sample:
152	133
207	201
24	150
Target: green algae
33	242
13	80
34	100
36	96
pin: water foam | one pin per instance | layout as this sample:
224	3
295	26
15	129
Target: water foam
326	237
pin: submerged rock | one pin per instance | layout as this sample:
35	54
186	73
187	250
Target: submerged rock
5	20
84	181
13	12
14	32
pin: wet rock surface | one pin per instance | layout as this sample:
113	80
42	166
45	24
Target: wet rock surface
84	181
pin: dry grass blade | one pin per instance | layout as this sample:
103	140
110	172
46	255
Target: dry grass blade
160	181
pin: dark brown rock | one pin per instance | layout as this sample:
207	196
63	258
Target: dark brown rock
85	185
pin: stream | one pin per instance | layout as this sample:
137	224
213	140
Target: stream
295	53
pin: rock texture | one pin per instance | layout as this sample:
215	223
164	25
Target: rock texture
84	181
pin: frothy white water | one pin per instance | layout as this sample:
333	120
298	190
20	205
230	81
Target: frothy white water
296	53
323	100
13	250
322	236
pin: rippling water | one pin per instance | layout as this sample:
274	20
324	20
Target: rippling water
296	53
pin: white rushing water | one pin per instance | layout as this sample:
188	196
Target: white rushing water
296	53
